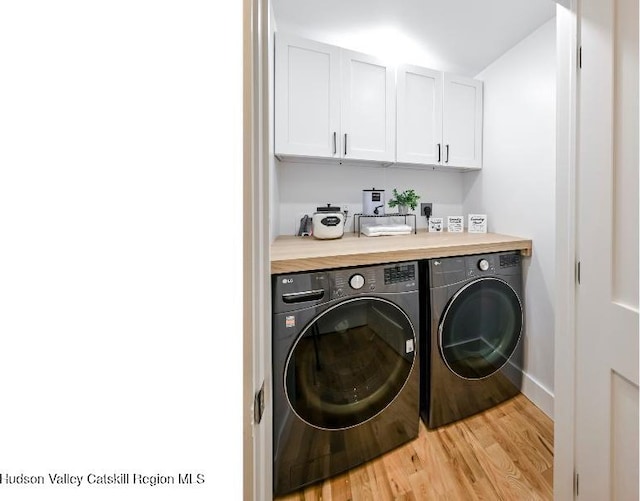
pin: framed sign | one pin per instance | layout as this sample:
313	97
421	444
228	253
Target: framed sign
455	224
477	223
435	224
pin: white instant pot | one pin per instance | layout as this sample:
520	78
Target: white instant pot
328	222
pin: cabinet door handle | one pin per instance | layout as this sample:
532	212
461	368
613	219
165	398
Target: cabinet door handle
447	160
345	145
439	155
335	144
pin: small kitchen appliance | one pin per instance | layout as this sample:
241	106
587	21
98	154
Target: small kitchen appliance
328	222
373	202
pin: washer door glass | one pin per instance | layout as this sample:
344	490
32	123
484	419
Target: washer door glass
350	363
480	328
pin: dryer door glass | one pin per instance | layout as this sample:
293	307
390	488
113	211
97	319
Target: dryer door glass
350	363
480	328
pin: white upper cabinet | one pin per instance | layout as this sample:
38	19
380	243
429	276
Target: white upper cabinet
462	122
307	98
419	126
439	119
332	103
367	108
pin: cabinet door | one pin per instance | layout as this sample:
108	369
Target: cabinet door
419	126
307	98
462	122
368	108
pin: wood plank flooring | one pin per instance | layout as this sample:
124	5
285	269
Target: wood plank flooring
505	453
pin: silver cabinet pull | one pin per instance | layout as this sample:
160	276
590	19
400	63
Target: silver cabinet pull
345	144
335	145
439	148
447	160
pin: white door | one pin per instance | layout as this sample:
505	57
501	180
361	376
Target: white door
368	108
462	122
307	99
607	247
419	127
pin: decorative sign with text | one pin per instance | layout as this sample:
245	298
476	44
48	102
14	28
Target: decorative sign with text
436	224
477	223
455	224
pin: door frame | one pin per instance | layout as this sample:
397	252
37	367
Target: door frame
255	443
256	440
567	88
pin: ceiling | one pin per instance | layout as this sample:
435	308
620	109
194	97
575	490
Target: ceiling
459	36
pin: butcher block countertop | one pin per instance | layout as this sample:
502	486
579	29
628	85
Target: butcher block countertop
291	254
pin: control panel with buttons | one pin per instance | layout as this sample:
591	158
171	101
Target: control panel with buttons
402	273
399	277
509	260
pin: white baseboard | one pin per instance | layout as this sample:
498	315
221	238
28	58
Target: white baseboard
538	394
533	390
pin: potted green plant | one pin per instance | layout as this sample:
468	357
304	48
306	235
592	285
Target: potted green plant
404	200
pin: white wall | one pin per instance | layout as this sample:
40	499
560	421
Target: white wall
516	187
305	186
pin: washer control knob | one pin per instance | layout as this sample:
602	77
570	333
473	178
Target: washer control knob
356	281
483	264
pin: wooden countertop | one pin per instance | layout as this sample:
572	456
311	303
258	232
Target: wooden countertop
291	254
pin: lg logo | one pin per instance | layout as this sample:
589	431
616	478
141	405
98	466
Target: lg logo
287	280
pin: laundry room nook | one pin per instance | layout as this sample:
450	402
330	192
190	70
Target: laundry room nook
479	329
419	170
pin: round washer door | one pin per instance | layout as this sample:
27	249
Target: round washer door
480	328
350	363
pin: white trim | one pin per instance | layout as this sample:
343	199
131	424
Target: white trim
248	451
531	388
538	394
565	334
257	477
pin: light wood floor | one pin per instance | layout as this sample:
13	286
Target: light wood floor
505	453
